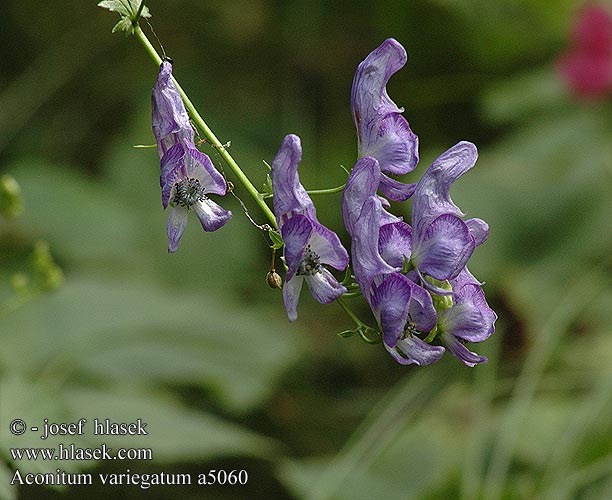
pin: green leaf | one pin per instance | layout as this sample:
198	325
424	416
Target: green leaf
120	6
115	331
128	9
123	25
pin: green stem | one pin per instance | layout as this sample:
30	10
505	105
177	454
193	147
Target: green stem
208	133
338	189
352	315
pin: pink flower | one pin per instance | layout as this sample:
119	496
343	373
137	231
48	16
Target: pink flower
587	64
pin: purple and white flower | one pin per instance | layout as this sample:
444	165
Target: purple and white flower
442	241
402	308
414	277
469	319
187	176
382	132
308	244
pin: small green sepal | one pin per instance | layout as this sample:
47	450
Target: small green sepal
277	240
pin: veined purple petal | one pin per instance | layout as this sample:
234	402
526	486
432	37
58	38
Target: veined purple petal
412	350
382	131
465	277
296	233
397	301
326	244
175	226
172	177
431	197
289	194
479	230
395	243
444	248
291	295
173	162
361	184
199	166
457	349
324	287
395	190
211	215
367	262
470	318
390	305
169	115
422	311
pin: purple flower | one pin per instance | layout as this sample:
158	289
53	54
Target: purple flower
187	175
402	308
361	184
442	242
382	132
308	244
469	319
170	119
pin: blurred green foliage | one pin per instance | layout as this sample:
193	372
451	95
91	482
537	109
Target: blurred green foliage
198	345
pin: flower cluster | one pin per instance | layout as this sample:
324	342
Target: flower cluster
188	176
413	276
587	64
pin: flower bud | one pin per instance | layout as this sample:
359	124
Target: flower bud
11	203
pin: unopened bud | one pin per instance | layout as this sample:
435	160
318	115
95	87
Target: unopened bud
48	274
11	203
274	280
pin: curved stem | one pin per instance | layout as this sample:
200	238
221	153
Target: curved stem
208	133
352	315
338	189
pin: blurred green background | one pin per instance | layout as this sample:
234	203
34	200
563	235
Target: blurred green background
199	347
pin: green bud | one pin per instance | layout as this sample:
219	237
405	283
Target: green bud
47	274
20	283
11	202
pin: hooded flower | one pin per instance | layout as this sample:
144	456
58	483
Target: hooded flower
414	277
382	132
187	175
442	242
469	319
402	308
308	244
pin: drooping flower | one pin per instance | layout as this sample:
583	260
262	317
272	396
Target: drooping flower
308	244
469	319
187	176
587	64
170	121
402	308
382	132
